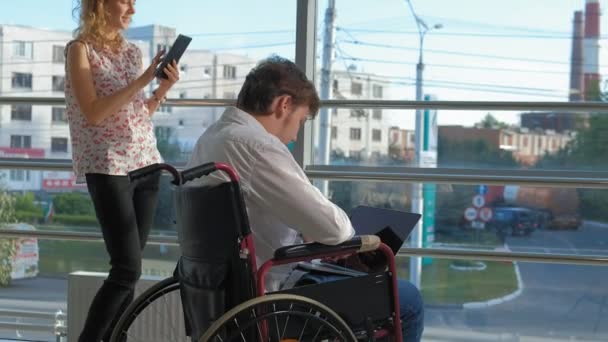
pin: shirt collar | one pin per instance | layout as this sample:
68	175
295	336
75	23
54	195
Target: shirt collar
233	114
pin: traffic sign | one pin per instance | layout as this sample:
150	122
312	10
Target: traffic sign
485	214
470	214
478	201
482	190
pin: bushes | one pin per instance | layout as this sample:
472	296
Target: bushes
75	220
7	246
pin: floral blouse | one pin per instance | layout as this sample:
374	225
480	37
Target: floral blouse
125	140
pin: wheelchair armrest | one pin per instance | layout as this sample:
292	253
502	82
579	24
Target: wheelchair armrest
358	244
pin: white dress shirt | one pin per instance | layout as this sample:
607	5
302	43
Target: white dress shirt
281	202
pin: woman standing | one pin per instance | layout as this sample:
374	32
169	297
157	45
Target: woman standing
112	134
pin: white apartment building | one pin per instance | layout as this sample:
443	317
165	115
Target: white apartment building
203	75
359	133
32	64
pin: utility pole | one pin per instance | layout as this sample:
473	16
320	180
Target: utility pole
417	193
326	91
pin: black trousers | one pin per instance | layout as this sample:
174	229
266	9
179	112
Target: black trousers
125	212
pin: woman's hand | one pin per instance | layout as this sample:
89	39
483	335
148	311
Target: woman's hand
172	72
149	73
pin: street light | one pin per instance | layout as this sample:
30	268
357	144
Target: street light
417	194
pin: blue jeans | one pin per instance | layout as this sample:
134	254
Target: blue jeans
411	305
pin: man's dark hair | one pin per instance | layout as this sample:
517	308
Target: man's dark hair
272	77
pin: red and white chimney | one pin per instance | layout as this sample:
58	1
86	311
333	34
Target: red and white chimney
577	86
591	54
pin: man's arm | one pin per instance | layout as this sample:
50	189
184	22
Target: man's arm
279	185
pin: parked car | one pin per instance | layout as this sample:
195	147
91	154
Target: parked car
513	221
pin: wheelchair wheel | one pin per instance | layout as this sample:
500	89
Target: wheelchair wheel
279	318
154	316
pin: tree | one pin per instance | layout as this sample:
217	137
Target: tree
489	121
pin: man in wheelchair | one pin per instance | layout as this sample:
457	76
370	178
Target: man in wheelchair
283	206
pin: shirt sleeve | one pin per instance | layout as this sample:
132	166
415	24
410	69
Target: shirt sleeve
278	184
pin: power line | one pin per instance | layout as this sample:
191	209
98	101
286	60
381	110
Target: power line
462	34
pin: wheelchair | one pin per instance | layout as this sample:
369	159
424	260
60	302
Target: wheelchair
220	292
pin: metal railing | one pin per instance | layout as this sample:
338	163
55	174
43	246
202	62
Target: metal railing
567	107
57	322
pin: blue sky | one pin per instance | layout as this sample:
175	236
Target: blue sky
516	50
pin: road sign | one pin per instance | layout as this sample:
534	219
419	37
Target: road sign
485	214
478	201
482	190
478	225
470	214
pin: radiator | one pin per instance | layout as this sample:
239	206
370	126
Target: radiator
162	323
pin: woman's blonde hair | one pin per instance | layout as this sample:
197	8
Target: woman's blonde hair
92	21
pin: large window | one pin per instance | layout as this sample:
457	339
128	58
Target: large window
58	54
58	115
21	80
355	134
23	49
59	144
21	112
21	141
58	83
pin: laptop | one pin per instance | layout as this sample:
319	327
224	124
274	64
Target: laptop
392	226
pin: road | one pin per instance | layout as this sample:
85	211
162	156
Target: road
557	302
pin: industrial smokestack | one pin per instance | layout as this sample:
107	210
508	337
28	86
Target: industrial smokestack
576	59
591	67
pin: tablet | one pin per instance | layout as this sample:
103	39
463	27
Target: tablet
175	53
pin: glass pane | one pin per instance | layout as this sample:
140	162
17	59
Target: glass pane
465	56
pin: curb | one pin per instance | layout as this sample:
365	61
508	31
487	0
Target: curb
503	299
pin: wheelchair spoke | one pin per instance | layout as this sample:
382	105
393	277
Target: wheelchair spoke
236	322
257	324
317	334
276	322
286	323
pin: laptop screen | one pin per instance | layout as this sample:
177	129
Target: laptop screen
392	226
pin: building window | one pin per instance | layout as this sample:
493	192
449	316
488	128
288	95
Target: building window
59	144
181	122
540	142
229	71
207	72
376	135
21	112
21	141
183	94
23	49
183	67
357	113
335	85
354	154
58	83
356	88
355	134
19	175
334	132
525	142
58	54
58	115
377	91
21	80
377	113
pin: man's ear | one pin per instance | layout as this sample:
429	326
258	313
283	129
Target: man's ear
283	105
